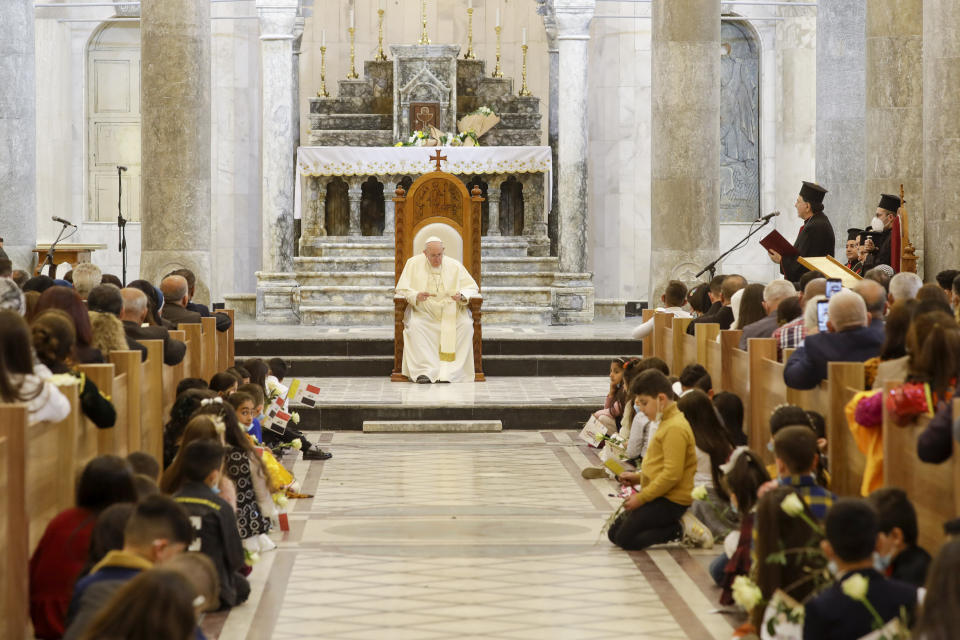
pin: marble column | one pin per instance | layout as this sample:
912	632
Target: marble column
389	206
277	25
355	195
175	140
841	114
18	131
894	106
573	34
941	135
493	204
685	144
546	10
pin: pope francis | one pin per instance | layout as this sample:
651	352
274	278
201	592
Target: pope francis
438	330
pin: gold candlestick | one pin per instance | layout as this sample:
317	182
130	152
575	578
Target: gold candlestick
381	56
524	91
469	55
424	38
353	75
497	73
323	74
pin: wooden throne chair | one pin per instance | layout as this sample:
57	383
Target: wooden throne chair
438	204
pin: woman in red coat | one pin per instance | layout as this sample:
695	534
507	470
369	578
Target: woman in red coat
61	553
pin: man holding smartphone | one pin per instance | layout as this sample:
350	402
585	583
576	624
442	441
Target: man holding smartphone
847	338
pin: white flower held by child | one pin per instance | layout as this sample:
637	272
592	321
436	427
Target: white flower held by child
699	493
746	593
792	505
856	587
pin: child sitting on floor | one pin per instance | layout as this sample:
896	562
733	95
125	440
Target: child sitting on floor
653	515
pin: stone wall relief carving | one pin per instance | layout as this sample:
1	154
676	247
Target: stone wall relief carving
739	123
424	95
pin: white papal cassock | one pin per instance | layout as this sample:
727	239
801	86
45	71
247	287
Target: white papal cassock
438	332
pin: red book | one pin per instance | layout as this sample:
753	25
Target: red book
773	241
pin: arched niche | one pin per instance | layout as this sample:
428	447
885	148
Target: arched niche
476	181
739	122
337	208
511	207
372	213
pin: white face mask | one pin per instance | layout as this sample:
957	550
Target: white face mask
876	224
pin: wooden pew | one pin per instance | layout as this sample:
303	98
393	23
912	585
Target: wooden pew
113	440
172	375
647	345
689	348
932	488
151	400
763	392
678	332
128	364
194	338
663	338
225	344
844	380
14	534
208	328
709	349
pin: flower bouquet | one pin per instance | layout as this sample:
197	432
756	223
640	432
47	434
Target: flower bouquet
475	124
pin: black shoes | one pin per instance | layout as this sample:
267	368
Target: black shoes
423	380
315	453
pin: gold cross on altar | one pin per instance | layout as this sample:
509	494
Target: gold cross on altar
438	158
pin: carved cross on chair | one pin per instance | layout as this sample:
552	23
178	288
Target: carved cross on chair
438	158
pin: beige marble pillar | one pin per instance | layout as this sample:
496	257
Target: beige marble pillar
493	204
18	132
941	135
389	206
894	122
175	139
355	195
685	152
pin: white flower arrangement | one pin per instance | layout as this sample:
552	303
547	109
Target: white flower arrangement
746	593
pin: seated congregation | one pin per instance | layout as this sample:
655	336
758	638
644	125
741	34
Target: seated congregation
804	453
156	537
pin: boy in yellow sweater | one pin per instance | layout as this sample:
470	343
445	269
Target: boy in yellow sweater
653	515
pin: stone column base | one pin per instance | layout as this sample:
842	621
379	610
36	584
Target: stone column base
538	246
572	296
278	298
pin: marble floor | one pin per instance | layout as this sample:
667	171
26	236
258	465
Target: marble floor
492	536
533	390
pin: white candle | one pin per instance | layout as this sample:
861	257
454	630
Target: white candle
498	16
383	4
469	4
524	36
323	37
352	25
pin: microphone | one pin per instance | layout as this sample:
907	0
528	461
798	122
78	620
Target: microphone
119	168
62	221
769	216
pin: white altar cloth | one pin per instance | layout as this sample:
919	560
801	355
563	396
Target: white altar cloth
414	161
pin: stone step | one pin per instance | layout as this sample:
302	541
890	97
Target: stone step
358	88
382	315
386	278
373	295
490	264
365	121
432	426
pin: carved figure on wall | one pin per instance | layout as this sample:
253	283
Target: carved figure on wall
423	115
739	124
438	197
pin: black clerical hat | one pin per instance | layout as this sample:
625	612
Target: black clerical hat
853	234
812	192
889	202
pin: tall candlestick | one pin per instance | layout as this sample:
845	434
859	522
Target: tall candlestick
353	75
469	55
424	38
524	91
323	67
497	73
381	56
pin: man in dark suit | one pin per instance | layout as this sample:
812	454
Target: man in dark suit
175	298
816	237
720	312
879	244
106	298
875	297
852	528
223	320
134	314
849	339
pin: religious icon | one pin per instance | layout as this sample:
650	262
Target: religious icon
423	115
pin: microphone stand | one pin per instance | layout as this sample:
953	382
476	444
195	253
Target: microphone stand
121	228
52	272
712	267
